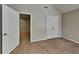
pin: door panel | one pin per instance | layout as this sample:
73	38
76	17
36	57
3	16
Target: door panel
52	26
10	29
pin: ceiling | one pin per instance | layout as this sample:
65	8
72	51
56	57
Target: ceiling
66	7
61	7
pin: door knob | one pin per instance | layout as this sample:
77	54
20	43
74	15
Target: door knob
5	34
52	28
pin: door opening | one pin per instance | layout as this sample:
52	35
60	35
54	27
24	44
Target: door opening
24	28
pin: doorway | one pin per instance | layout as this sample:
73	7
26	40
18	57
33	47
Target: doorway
24	28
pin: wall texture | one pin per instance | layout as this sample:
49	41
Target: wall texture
71	25
39	18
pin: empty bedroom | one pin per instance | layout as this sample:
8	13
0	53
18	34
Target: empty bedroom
40	29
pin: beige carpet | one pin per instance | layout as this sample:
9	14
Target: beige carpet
50	46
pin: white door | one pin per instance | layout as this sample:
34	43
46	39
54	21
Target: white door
52	26
10	29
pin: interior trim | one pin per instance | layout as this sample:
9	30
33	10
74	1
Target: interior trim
71	40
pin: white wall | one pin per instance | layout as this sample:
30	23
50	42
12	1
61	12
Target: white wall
39	18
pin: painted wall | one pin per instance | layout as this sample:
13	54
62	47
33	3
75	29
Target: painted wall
71	25
0	25
39	18
25	25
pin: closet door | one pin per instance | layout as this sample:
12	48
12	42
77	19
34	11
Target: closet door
52	26
10	29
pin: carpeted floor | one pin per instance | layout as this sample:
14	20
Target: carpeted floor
50	46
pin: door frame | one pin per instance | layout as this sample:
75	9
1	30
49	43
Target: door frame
30	25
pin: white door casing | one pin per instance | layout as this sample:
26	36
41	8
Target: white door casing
10	29
52	26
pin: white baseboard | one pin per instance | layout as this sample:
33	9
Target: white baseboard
43	39
71	40
14	48
38	40
55	37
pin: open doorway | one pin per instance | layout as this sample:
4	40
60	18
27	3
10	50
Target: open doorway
25	33
24	28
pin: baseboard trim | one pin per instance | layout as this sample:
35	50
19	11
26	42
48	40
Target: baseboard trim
44	39
71	40
38	40
55	37
14	49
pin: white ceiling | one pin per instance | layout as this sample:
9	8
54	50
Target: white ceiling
66	7
61	7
